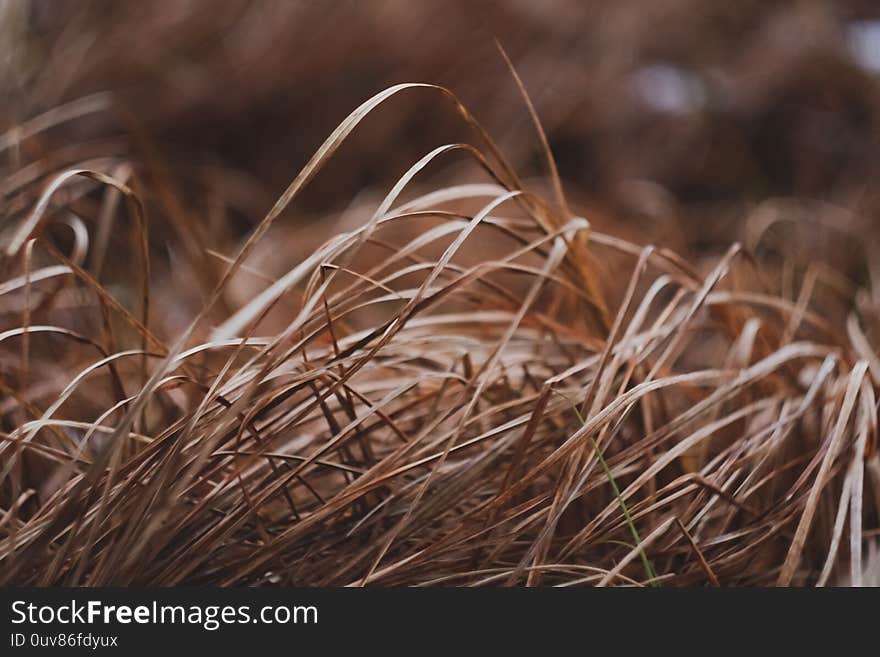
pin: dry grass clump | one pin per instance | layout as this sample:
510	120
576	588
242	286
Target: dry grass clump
471	386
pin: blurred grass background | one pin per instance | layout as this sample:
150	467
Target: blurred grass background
673	107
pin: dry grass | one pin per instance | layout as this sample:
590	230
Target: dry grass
468	385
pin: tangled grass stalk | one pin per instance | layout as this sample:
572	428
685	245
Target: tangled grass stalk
439	395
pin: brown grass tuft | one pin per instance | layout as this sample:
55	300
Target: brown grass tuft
464	385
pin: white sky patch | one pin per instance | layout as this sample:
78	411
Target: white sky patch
669	89
863	38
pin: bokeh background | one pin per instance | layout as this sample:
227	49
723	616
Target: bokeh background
671	120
